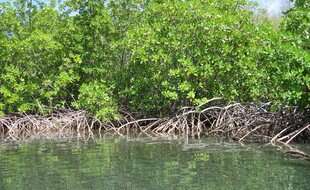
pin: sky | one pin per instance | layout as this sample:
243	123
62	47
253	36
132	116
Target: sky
273	8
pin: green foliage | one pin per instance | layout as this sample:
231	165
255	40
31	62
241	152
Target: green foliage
297	22
159	55
35	70
96	98
186	51
96	33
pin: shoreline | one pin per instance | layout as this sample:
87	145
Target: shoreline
244	123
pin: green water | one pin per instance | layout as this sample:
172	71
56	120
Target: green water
148	164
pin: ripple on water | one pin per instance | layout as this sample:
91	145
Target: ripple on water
148	164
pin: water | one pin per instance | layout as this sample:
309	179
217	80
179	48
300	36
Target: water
148	164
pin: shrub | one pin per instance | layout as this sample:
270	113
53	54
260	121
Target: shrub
96	97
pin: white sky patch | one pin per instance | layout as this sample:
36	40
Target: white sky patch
274	8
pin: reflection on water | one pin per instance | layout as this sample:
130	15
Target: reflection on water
148	164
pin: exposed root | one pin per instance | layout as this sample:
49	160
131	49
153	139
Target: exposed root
244	123
292	151
60	124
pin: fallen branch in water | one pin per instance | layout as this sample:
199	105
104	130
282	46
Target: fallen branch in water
292	151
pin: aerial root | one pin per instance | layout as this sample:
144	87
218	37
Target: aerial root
244	123
63	123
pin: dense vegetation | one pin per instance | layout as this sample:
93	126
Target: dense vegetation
149	56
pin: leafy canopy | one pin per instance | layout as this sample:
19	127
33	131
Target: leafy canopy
149	56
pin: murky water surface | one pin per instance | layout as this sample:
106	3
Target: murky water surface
151	164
